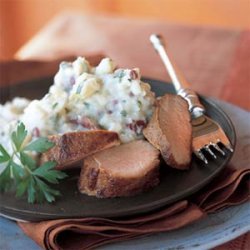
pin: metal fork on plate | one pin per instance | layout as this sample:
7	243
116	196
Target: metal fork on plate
207	134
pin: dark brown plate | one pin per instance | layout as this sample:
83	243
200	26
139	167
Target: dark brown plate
174	185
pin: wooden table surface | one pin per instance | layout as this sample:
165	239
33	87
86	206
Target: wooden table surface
215	61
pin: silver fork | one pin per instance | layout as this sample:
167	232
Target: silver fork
207	134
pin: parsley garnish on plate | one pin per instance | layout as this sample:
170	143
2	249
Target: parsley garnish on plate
54	105
119	74
21	173
124	113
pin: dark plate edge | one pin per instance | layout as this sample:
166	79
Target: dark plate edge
157	204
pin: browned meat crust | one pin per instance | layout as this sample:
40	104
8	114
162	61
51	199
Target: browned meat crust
170	131
72	147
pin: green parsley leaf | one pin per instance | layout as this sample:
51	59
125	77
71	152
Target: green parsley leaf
19	136
21	173
18	171
31	190
139	103
22	187
54	105
48	193
124	113
4	156
79	89
5	180
27	160
119	74
40	145
47	172
86	104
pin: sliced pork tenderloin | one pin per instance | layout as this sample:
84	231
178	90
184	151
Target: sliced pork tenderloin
70	148
124	170
170	131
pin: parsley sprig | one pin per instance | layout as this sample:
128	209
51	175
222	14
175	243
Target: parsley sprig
21	173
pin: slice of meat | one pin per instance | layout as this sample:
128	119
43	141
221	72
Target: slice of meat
72	147
124	170
170	131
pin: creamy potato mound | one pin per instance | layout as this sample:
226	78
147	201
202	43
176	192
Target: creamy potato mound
82	98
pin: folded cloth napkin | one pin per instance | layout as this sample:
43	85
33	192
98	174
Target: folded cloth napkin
89	233
231	187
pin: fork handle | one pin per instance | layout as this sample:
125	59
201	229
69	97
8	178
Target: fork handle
181	85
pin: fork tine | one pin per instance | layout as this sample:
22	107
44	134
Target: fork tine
226	143
229	147
201	156
215	145
210	151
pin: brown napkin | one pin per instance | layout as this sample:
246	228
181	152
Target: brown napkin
231	187
87	233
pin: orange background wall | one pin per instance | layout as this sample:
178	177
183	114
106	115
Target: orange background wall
21	19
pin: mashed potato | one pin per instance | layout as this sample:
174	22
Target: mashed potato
82	98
